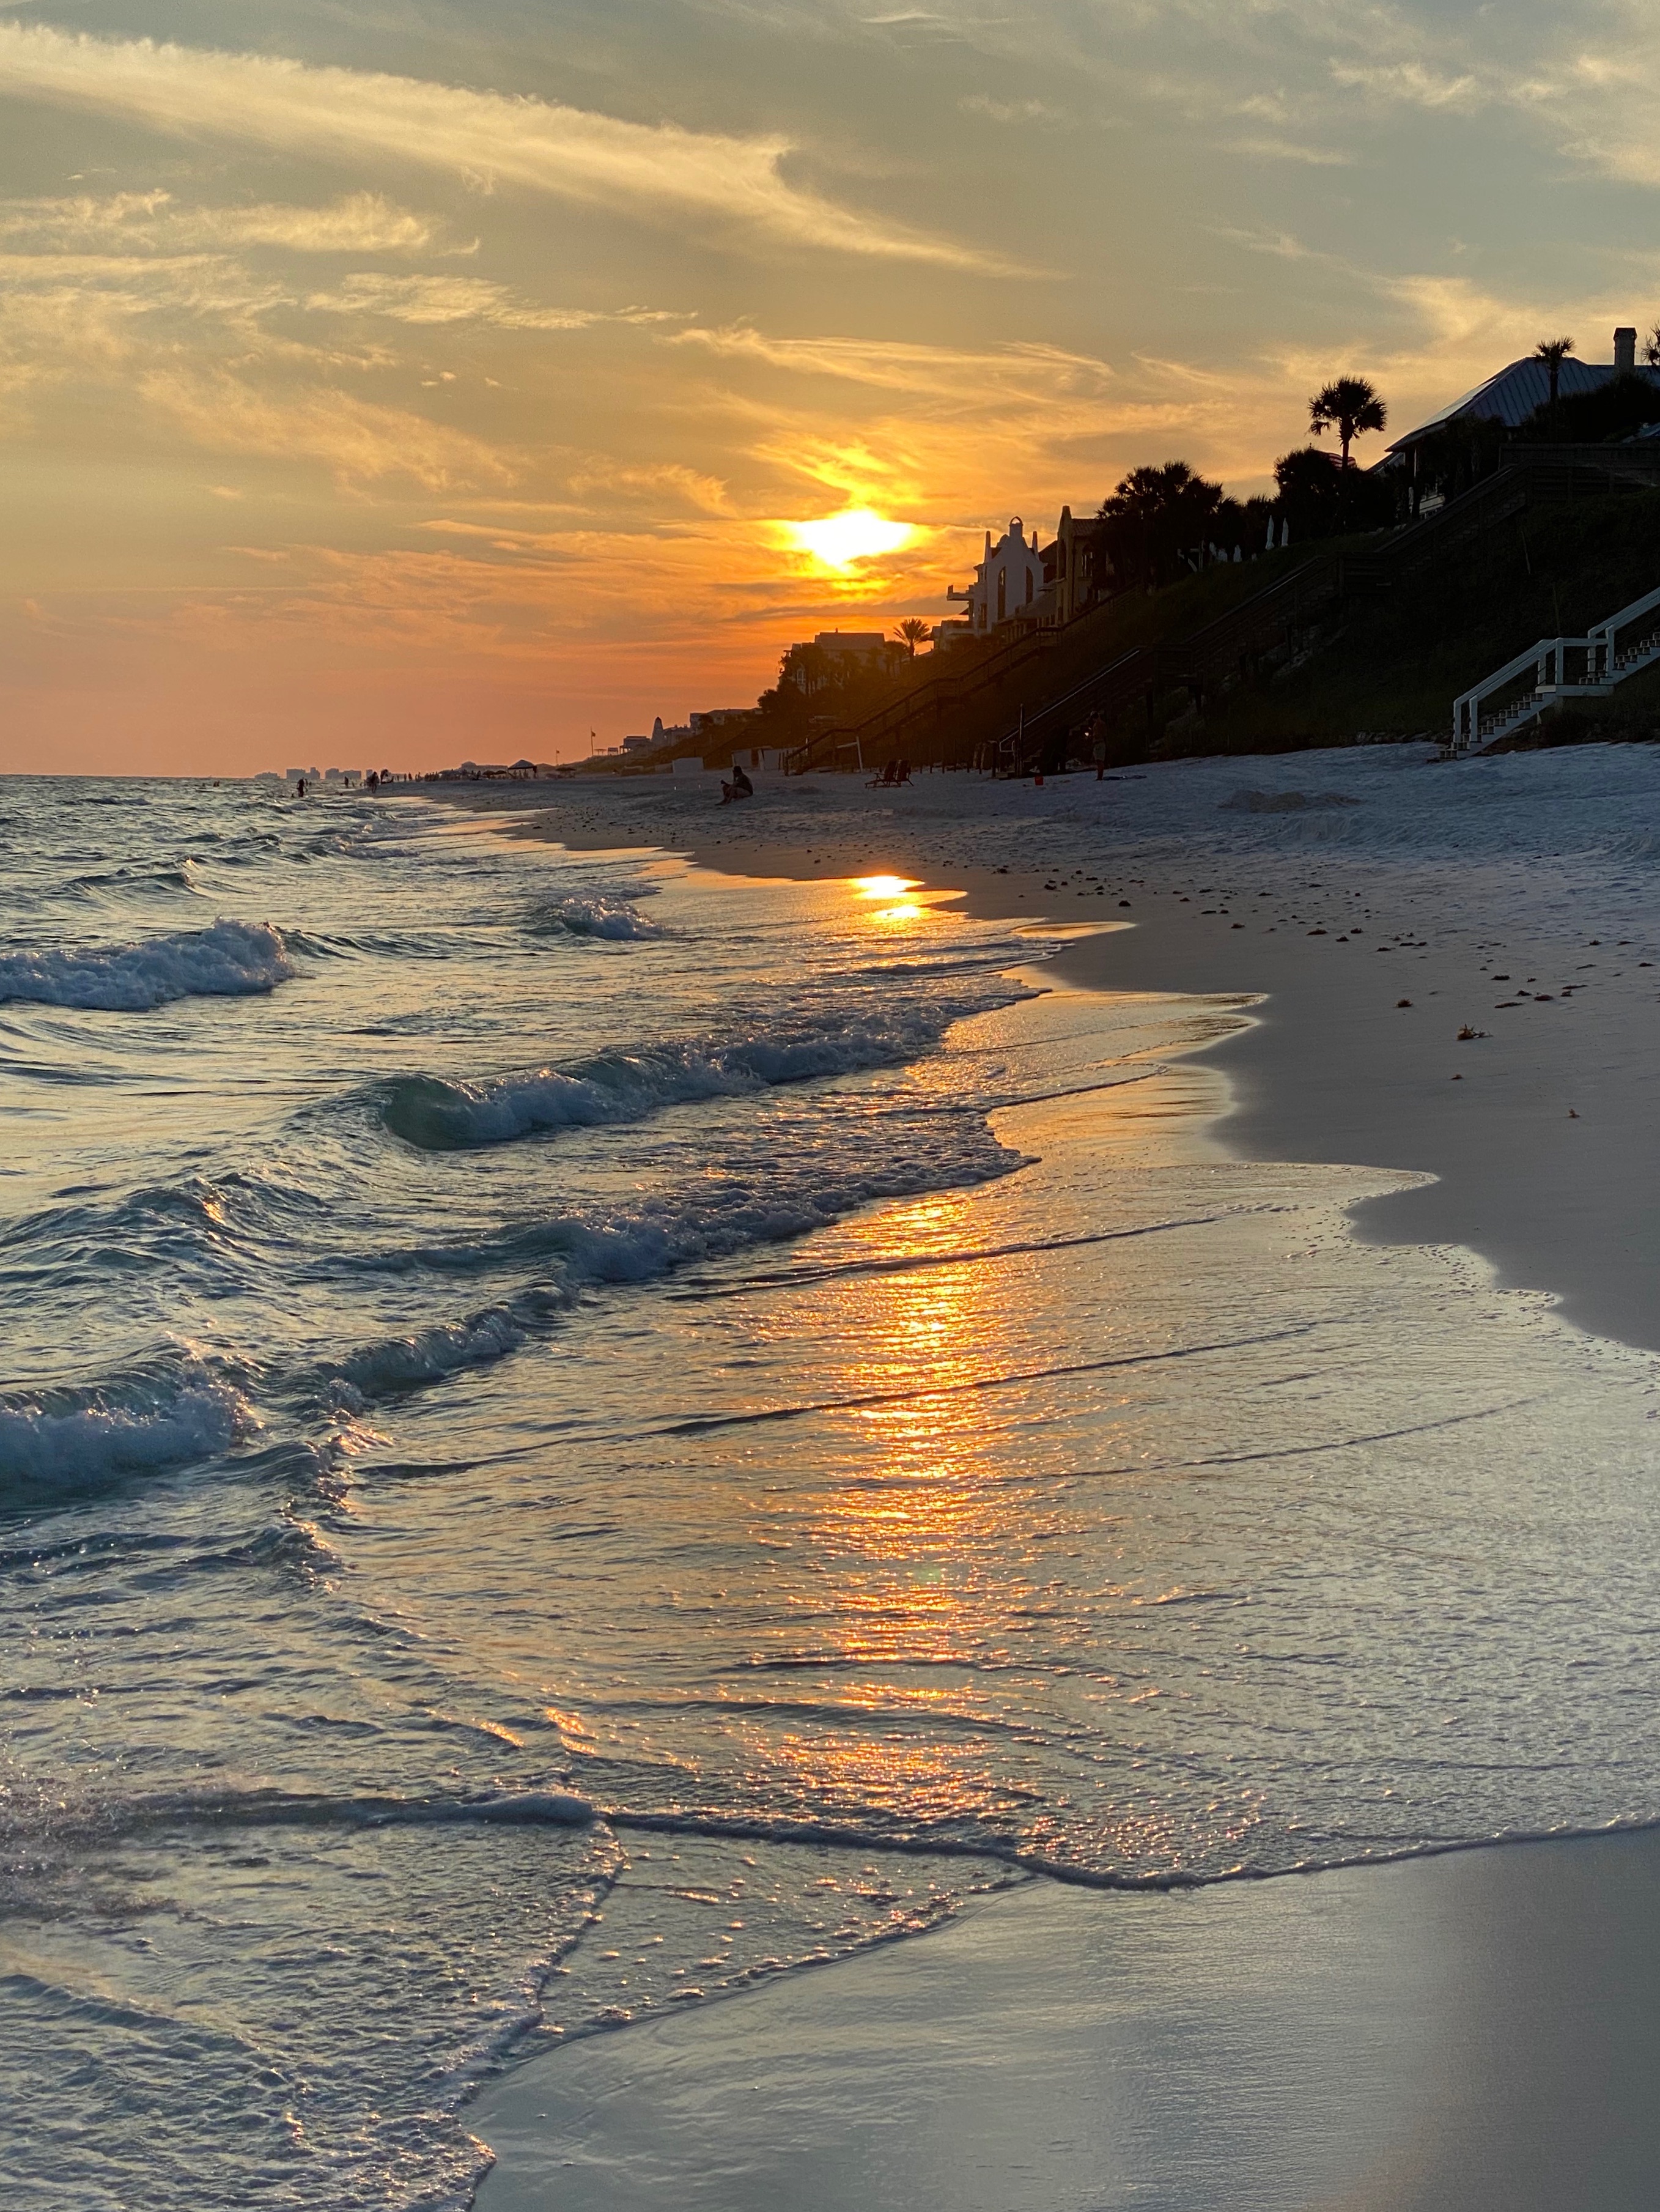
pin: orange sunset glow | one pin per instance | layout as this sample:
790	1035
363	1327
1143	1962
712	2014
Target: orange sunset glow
396	391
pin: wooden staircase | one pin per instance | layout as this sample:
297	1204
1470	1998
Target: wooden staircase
1555	670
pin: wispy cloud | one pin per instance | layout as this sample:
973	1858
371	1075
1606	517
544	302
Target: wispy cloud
446	299
1420	83
736	185
982	375
356	439
361	222
1011	111
1290	150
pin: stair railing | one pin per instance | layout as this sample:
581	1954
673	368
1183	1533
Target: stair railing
1610	660
1469	726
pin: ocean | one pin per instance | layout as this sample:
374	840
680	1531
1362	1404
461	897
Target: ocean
577	1435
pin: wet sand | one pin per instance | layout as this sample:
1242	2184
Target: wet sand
1475	2031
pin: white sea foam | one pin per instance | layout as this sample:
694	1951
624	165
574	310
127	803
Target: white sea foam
55	1440
599	915
232	959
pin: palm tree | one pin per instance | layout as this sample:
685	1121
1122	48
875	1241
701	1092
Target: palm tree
1350	406
1553	352
910	633
1153	514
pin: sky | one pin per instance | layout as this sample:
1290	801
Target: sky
429	380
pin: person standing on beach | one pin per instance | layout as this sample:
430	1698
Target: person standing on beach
1098	742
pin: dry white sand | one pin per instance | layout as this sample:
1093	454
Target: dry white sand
1474	2031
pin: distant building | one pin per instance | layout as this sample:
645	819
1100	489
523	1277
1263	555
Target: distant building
1006	582
854	644
712	720
1082	566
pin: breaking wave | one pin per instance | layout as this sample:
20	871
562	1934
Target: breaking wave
232	959
614	920
72	1439
436	1114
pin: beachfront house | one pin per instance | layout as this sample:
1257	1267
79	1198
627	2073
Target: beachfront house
1007	584
1081	566
1504	402
867	647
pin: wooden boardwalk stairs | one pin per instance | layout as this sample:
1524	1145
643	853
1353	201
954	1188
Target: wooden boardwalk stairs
1555	670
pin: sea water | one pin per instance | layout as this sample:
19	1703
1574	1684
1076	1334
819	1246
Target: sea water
576	1436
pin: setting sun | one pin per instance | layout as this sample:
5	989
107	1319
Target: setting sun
838	540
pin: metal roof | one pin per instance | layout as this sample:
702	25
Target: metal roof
1512	395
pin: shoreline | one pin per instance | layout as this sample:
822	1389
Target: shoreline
1472	2029
1469	2024
1534	1130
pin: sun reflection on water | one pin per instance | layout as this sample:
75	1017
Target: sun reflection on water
921	1544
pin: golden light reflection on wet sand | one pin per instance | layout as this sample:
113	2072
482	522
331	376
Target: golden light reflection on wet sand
920	1535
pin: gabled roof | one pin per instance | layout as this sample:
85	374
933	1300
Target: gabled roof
1511	395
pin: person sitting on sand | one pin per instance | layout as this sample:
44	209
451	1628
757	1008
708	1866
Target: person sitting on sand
739	788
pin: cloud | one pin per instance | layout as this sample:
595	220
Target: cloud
358	440
1288	150
466	300
1280	243
362	222
981	374
80	315
658	171
1011	111
1415	82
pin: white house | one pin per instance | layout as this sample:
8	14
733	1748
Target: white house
1006	582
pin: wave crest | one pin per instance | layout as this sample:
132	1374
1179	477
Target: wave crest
439	1115
232	959
72	1438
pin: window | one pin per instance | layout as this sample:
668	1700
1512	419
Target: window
1003	593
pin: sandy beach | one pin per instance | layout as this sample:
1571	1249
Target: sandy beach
1470	2028
1535	1128
1474	2031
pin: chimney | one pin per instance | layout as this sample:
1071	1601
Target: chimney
1624	352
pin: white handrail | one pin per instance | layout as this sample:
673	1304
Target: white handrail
1533	659
1650	599
1602	670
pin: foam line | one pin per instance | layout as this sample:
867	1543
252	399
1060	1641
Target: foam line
703	1423
911	1263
